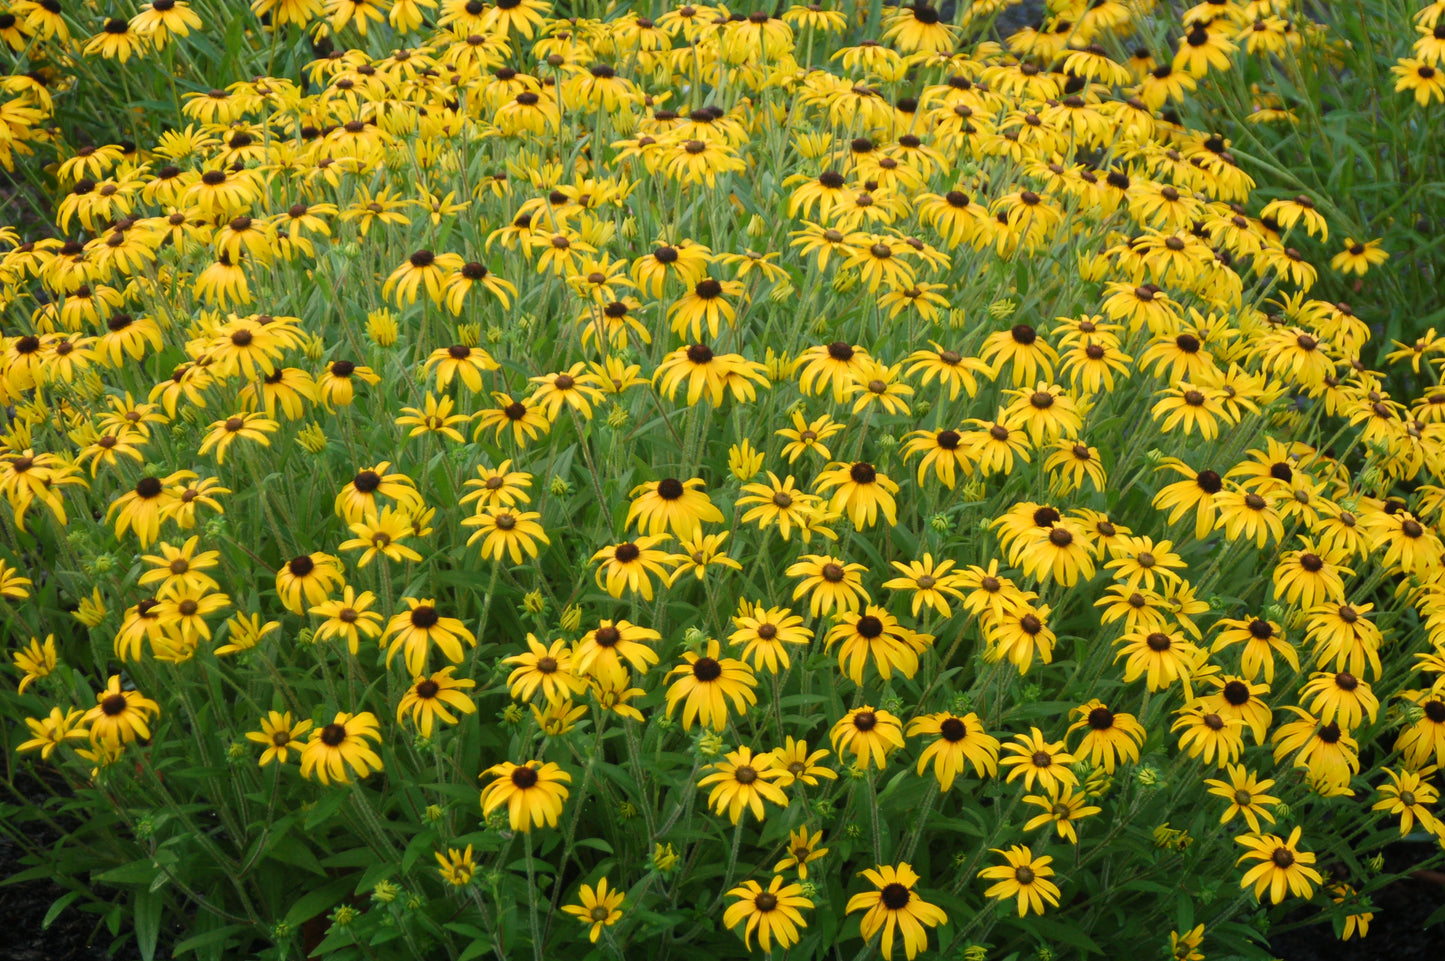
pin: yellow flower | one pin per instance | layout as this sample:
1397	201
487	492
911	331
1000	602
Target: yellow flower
599	908
35	661
457	867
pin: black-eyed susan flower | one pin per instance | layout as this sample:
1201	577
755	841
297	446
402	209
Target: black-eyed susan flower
281	734
1024	877
358	500
1263	640
795	763
381	534
349	616
142	508
1063	809
34	661
1110	737
50	732
861	491
428	700
459	360
414	631
1408	795
927	583
808	436
120	716
959	741
869	734
1020	634
1246	796
837	364
773	913
1326	751
1282	868
598	908
743	780
498	487
802	849
1358	258
340	749
308	579
1033	757
1209	735
895	907
672	505
1242	700
874	635
545	667
504	531
829	583
1340	697
222	434
533	793
457	867
525	421
777	503
631	565
704	685
1160	657
608	650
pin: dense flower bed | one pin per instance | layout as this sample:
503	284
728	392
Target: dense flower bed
668	480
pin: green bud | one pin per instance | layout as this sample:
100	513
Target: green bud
1147	776
627	810
533	602
823	809
433	813
280	931
559	487
103	563
385	892
306	636
344	916
710	745
940	523
853	832
693	637
617	417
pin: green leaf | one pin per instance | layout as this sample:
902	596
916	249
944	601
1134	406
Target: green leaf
325	808
318	901
214	936
141	872
148	906
61	903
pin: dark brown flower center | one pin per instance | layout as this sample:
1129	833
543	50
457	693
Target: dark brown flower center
894	896
706	669
424	616
1158	642
333	734
524	777
953	730
626	553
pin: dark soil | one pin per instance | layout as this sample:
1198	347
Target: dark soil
1397	932
74	935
